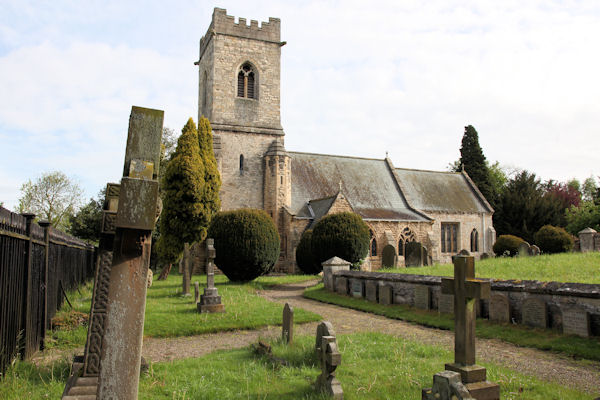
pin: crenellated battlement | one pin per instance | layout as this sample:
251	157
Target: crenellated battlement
225	24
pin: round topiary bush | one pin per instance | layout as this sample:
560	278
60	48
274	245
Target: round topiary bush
246	242
507	244
551	239
305	258
343	235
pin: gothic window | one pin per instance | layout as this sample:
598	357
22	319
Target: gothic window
246	80
373	245
241	164
449	239
406	236
474	240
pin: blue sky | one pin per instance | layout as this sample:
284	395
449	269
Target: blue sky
358	78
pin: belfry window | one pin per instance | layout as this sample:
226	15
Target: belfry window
246	80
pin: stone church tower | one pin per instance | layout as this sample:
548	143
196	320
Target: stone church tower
239	70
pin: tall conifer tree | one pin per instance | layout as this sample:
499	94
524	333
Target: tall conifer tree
473	162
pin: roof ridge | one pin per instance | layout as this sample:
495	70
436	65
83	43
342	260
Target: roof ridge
337	155
428	170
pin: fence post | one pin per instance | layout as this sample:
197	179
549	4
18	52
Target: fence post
25	317
45	322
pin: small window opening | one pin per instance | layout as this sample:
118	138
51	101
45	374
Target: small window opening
241	164
246	82
474	240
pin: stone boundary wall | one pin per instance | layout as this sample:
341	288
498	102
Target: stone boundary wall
540	304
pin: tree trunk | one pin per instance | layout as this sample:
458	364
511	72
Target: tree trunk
186	269
164	273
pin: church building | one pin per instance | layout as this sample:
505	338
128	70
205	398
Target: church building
239	92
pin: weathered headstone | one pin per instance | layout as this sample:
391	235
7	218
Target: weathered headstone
422	297
135	219
287	328
524	250
330	358
446	386
196	292
386	295
534	312
499	309
534	250
586	240
371	291
446	303
358	288
341	285
388	256
467	291
210	301
330	266
413	254
576	321
484	256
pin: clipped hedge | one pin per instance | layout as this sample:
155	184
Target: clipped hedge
507	243
246	242
343	235
305	258
551	239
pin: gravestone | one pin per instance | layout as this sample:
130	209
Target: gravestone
386	295
524	250
535	251
341	285
534	312
371	291
358	288
499	310
446	303
413	254
287	328
446	386
210	301
467	291
388	256
422	297
586	240
196	292
330	358
135	219
576	321
330	266
484	256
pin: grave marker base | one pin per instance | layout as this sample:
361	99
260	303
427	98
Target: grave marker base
468	373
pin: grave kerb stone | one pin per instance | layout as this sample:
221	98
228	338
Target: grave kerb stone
422	297
341	285
499	308
371	287
534	312
386	294
357	288
576	321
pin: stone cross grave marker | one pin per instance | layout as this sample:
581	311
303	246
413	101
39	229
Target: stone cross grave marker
330	358
467	290
210	301
126	295
287	328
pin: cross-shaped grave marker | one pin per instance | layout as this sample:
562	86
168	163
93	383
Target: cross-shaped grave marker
210	301
467	291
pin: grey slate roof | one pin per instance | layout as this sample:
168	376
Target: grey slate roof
368	185
440	191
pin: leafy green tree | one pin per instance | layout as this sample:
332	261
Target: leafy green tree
525	206
474	163
589	190
343	235
587	215
246	242
498	178
53	197
551	239
87	222
188	200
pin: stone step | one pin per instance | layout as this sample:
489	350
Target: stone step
87	381
78	390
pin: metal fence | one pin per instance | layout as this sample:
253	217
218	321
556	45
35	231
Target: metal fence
37	265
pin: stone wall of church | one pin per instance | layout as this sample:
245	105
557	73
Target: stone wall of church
466	224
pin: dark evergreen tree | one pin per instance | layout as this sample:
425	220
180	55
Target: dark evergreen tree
473	162
343	235
87	222
305	256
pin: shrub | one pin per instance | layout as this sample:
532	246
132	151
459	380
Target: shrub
507	243
305	257
344	235
552	239
246	242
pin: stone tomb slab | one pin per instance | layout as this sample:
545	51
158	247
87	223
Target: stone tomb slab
534	312
358	288
499	308
446	303
422	297
341	285
386	295
576	321
371	291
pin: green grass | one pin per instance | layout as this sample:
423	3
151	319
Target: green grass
517	334
374	366
169	314
566	267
